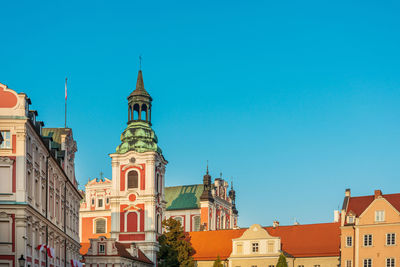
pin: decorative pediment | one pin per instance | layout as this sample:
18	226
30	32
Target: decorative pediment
132	165
6	161
132	207
256	232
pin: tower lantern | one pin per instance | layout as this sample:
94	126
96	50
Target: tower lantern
139	103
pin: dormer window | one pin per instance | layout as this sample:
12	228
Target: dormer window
379	216
102	248
350	219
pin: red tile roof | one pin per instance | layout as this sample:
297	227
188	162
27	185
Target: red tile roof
309	240
121	250
359	204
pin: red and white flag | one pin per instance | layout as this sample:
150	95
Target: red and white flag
41	247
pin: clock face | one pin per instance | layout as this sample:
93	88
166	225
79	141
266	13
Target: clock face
132	160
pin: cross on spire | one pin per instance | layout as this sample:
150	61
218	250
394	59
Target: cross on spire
101	176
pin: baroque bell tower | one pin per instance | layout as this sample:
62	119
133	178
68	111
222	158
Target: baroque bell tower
138	178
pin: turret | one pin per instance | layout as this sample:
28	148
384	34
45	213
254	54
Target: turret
206	195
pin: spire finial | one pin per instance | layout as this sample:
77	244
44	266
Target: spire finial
220	174
140	62
232	183
207	166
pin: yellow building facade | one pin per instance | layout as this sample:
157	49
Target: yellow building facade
370	228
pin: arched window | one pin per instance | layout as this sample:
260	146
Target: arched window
196	223
100	226
136	112
144	115
133	180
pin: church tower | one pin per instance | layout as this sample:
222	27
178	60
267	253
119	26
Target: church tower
138	172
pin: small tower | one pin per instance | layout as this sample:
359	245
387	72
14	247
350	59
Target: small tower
232	196
138	172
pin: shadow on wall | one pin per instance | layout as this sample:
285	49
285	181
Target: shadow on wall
186	198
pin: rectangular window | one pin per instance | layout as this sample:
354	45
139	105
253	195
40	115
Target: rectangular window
254	247
390	262
100	203
92	201
5	232
271	246
317	265
348	263
5	180
349	241
391	239
367	240
239	248
300	265
271	265
6	139
102	248
107	201
380	216
350	219
367	263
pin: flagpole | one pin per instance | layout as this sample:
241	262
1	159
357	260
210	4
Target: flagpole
65	121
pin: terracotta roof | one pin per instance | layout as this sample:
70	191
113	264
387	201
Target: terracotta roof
121	249
309	240
359	204
84	248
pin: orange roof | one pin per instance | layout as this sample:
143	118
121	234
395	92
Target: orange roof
359	204
308	240
84	248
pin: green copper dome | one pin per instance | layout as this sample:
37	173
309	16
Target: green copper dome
139	137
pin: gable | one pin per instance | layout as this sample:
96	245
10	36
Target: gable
255	232
183	197
380	204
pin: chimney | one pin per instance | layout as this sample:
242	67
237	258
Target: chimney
378	193
348	192
336	216
275	224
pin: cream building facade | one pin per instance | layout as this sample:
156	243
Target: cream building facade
39	200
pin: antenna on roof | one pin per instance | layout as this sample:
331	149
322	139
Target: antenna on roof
101	176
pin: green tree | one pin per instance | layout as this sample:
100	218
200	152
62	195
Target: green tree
175	247
282	261
218	263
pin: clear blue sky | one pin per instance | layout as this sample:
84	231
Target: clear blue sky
296	100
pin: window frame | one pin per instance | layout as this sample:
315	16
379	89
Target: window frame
391	237
6	139
367	240
95	225
255	247
104	248
379	215
390	262
349	244
127	180
367	262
